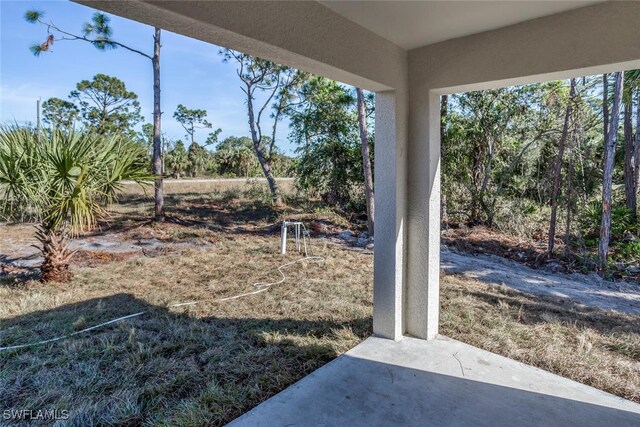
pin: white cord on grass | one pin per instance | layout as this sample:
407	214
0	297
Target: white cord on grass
217	300
318	259
262	287
15	347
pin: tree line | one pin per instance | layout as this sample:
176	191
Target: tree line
105	105
545	159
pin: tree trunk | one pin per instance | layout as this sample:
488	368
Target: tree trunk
55	267
273	184
444	110
265	163
557	169
605	104
487	207
629	154
38	117
567	235
636	147
157	130
366	161
609	157
569	204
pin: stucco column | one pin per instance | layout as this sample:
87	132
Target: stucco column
390	207
423	215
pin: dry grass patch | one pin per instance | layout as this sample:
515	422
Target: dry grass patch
16	234
595	347
197	365
247	210
210	185
208	363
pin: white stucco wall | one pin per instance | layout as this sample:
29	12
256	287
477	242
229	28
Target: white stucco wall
390	229
591	40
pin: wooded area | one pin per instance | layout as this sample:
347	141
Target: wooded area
519	159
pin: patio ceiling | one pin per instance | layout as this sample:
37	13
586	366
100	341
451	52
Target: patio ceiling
412	24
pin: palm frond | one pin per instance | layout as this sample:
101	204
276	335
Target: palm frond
63	177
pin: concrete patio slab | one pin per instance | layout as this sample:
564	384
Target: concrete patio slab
441	382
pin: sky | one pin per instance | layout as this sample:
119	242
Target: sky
192	72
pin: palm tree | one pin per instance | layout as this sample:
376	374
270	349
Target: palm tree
62	179
178	159
197	156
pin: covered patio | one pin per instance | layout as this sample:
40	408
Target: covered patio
411	53
439	382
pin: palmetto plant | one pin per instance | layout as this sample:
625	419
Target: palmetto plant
178	160
62	179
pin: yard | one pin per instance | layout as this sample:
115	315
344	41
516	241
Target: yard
207	363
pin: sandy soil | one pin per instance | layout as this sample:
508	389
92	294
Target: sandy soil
589	290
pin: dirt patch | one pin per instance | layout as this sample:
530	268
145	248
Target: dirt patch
481	240
589	290
96	258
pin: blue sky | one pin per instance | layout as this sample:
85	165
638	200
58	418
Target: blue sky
192	71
